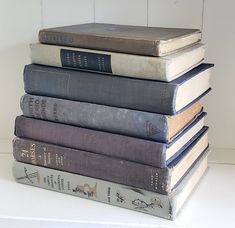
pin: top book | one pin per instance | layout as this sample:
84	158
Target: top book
139	40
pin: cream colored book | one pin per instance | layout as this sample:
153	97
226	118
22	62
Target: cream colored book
166	68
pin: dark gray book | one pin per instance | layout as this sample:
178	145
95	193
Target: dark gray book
158	127
166	206
145	95
112	169
143	151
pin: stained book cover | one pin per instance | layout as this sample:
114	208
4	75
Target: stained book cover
137	199
139	40
156	96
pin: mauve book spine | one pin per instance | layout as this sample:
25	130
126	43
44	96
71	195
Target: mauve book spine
122	121
137	94
132	46
93	165
115	145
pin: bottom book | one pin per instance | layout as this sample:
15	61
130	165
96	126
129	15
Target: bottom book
166	206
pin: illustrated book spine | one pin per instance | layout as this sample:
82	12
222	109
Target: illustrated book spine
136	66
158	97
108	192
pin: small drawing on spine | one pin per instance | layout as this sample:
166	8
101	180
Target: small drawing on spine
29	176
142	205
150	129
86	190
120	197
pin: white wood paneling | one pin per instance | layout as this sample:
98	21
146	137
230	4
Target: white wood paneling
131	12
19	24
66	12
175	13
219	34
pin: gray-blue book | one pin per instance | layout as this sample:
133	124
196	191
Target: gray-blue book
145	95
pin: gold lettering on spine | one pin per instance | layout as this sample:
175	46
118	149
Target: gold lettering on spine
24	153
32	153
59	159
46	157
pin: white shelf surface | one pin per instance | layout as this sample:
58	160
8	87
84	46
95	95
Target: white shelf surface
210	205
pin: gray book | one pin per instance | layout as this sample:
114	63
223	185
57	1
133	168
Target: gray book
166	206
144	95
154	126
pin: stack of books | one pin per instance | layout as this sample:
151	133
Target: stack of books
112	113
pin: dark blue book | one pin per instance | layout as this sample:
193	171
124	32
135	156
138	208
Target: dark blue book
145	95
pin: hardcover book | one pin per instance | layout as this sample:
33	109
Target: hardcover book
166	206
112	169
145	95
146	125
140	40
136	66
147	152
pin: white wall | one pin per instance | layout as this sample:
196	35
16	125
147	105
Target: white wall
21	20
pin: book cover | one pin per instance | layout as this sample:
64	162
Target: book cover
140	40
155	96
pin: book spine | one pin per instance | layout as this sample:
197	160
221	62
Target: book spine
133	46
136	66
91	164
115	145
100	89
123	121
94	189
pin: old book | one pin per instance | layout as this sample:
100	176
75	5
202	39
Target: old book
145	95
115	145
161	180
165	68
166	206
157	127
140	40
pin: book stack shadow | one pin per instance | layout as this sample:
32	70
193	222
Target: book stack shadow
113	113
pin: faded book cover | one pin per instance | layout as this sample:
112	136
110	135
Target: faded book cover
140	40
